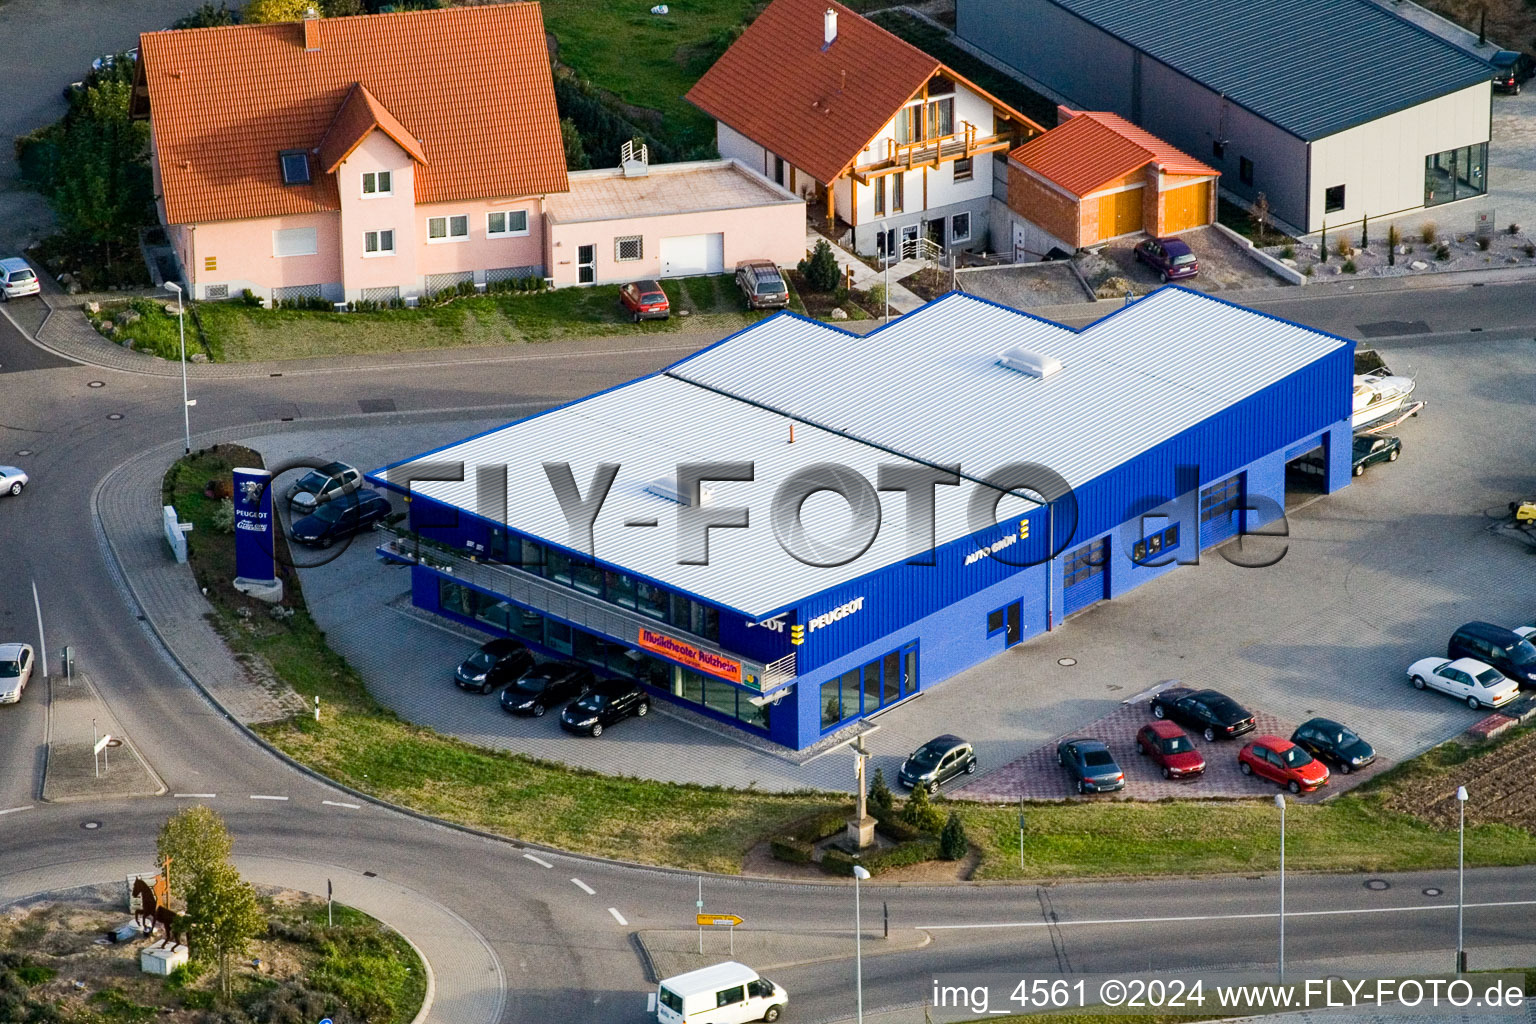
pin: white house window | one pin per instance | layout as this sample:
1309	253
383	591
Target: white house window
447	229
295	167
379	243
960	227
295	242
507	224
626	250
378	183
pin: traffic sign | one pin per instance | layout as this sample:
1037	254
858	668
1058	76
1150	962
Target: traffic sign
730	919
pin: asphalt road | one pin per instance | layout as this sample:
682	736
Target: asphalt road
565	956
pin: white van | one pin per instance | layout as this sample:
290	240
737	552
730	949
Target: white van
728	993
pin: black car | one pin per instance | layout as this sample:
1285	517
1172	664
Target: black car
1510	69
497	663
1504	649
936	762
607	702
545	687
1333	743
1213	714
340	517
1367	450
1091	765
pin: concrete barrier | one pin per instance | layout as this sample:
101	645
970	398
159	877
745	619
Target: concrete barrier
1263	259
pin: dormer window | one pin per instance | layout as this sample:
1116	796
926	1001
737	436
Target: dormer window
295	167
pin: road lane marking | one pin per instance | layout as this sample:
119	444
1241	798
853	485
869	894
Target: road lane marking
13	810
536	860
1223	917
337	803
584	887
195	796
650	1002
618	916
258	796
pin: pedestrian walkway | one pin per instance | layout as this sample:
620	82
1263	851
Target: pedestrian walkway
465	979
903	300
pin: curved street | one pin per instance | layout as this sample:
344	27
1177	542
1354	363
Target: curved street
510	933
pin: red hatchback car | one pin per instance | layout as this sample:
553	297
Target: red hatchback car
1171	750
645	301
1280	760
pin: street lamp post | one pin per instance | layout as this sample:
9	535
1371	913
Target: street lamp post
1280	803
859	874
181	329
1461	877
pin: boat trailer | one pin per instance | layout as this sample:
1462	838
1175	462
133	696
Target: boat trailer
1382	426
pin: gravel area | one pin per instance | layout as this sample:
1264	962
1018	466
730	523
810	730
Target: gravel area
1024	285
1415	255
1224	265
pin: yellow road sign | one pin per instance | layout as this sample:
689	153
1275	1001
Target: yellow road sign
730	919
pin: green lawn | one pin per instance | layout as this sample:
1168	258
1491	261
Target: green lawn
934	42
648	61
240	333
363	745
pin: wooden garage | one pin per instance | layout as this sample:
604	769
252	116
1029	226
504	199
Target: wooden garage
1096	176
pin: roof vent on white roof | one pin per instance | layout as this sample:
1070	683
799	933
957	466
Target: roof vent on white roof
667	488
1032	364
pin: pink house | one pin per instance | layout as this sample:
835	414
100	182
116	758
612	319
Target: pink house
354	158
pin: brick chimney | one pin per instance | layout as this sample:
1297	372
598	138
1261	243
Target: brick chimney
311	29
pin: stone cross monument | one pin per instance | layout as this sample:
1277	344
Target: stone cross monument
861	827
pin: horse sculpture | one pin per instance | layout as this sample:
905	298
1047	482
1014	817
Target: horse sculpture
152	912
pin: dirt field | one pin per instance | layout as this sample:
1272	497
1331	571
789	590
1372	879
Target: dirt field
1501	785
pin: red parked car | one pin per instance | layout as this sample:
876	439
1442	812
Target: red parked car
1171	750
1280	760
645	301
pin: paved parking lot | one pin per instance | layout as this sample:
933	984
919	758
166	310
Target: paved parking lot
1374	578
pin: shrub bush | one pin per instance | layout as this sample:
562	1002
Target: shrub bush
897	830
1530	248
224	516
1349	267
821	826
1427	232
1343	248
250	298
820	269
1443	252
1288	253
790	850
921	814
880	799
953	843
1483	243
841	862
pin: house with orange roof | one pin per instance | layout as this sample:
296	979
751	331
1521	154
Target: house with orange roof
374	158
1096	176
887	143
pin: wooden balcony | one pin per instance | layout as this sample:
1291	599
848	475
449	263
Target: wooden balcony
908	156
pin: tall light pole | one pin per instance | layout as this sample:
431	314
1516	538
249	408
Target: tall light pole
1461	877
181	328
859	874
1280	803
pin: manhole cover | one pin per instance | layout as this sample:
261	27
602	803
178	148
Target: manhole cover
88	825
24	451
1378	885
114	415
1431	891
97	384
1066	662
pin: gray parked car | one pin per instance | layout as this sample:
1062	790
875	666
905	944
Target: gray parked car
1091	765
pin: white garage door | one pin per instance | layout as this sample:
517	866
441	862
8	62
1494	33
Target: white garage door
692	254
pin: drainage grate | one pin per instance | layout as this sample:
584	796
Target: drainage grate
376	404
1392	328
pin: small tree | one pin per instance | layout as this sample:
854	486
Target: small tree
1261	217
1365	231
953	843
223	915
1322	247
820	269
879	799
197	842
920	812
575	153
1394	239
260	12
208	16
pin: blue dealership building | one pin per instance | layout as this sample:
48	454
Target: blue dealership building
875	513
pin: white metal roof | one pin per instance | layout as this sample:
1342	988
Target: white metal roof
928	387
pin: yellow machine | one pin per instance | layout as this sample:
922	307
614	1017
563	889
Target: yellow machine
1524	513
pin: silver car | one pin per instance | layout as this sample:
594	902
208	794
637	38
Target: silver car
319	486
12	480
15	670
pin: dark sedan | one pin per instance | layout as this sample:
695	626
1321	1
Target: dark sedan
1510	69
1329	741
545	687
610	701
1171	258
1213	715
1091	765
936	762
340	517
497	663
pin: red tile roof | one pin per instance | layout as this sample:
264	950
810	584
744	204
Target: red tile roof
780	88
1094	148
357	118
224	102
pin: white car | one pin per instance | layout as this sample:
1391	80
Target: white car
15	670
1527	632
1481	686
17	278
12	480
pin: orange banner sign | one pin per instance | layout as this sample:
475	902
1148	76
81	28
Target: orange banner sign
688	654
